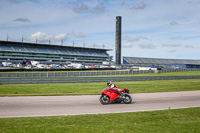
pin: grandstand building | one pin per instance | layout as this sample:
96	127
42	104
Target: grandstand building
22	51
160	62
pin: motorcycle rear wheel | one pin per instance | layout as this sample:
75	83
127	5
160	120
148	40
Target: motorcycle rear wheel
127	99
104	99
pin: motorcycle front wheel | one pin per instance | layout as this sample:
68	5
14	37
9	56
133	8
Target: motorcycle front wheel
104	99
127	99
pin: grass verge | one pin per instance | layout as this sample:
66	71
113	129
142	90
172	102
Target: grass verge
96	88
167	121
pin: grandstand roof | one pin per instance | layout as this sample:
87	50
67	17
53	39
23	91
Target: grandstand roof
158	61
52	45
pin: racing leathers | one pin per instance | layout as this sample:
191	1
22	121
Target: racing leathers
117	89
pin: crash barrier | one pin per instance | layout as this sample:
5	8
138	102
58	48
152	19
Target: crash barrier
88	73
50	80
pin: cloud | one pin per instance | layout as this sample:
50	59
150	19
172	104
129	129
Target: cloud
81	8
193	2
146	46
189	46
138	6
127	45
40	37
98	9
60	37
123	3
78	35
173	23
172	45
43	37
147	20
99	45
24	20
134	38
190	2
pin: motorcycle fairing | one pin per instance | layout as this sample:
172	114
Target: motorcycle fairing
111	94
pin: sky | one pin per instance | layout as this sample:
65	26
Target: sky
150	28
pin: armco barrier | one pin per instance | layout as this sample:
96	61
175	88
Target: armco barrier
86	73
53	80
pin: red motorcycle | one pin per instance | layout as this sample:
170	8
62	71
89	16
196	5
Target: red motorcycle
113	96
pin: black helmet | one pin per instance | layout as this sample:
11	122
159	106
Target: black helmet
109	83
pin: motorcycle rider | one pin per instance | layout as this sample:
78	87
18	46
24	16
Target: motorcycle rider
113	86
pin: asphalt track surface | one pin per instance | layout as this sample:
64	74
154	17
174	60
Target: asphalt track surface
34	106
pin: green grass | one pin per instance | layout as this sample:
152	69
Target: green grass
172	73
96	88
167	121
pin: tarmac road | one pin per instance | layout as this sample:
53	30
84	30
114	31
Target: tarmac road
32	106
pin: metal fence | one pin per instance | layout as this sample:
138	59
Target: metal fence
53	80
85	73
87	77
